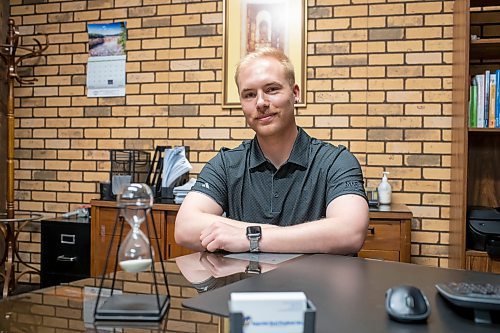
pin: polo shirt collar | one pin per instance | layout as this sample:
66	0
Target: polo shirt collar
299	154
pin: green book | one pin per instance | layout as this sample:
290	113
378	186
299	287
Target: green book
473	105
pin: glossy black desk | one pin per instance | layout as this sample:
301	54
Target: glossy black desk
349	293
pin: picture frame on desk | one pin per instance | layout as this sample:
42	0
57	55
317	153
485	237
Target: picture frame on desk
252	24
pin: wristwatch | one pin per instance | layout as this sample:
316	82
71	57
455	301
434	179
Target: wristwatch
253	267
254	234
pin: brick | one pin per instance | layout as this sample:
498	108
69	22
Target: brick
423	160
429	33
385	159
186	20
368	22
386	34
350	35
428	7
386	84
404	96
386	59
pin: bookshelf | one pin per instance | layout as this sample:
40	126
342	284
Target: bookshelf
475	171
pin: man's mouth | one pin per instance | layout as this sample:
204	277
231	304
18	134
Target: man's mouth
266	117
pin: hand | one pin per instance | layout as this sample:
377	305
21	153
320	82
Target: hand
223	236
220	266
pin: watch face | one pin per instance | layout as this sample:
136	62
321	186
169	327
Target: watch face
253	231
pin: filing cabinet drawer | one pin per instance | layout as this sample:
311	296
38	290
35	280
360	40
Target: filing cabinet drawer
383	235
65	250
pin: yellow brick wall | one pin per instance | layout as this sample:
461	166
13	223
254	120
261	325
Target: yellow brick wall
379	75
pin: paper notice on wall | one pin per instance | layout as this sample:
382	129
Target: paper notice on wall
107	59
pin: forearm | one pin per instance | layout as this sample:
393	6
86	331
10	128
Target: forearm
188	227
190	223
323	236
342	231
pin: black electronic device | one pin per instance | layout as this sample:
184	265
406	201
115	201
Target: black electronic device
482	297
483	230
407	304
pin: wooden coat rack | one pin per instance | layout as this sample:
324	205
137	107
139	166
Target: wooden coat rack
11	226
8	54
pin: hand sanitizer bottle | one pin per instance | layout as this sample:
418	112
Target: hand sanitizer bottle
384	190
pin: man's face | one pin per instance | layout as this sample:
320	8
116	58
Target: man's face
266	97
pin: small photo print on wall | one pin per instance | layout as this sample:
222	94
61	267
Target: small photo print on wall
107	58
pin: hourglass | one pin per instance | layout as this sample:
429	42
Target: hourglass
134	255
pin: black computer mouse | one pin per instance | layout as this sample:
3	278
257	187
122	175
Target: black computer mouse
406	304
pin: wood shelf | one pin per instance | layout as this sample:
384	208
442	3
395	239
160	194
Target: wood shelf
484	130
484	3
487	48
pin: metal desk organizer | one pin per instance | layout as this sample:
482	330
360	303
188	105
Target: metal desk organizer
155	176
236	320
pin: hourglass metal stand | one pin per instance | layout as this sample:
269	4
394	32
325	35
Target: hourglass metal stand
134	257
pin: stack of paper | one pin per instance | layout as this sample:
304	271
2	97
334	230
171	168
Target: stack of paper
175	164
180	192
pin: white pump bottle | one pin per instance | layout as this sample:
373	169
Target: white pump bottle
384	190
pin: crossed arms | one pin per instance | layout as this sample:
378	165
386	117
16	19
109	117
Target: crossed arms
200	226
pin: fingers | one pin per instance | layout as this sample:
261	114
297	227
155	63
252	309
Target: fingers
222	236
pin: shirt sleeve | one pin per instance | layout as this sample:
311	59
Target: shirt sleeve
212	181
344	177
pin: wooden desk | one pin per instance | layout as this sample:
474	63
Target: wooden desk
482	262
388	236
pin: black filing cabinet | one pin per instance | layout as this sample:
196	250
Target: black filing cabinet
65	250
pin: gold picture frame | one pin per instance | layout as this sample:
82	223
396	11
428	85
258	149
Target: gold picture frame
250	24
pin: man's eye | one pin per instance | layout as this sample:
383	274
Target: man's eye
272	89
248	95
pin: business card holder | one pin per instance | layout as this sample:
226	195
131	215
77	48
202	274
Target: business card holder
236	320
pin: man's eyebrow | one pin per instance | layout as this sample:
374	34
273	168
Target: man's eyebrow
246	90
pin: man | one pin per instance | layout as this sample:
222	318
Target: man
270	186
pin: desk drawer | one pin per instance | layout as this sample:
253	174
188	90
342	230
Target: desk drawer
107	218
380	254
383	235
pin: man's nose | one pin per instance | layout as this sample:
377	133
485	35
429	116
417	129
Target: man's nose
262	100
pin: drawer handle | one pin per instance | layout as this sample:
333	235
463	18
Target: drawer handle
62	257
68	239
371	230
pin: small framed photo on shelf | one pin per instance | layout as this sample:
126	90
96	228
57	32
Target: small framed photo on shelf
252	24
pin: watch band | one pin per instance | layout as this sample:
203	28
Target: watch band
253	267
254	244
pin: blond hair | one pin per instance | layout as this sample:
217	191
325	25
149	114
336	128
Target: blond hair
267	52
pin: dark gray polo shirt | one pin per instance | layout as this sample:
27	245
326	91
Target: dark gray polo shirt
249	188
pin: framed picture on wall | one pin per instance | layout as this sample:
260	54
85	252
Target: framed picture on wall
252	24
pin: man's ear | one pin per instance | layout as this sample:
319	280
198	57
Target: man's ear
296	93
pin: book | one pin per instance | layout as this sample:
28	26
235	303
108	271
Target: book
492	114
473	104
497	94
480	100
487	75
